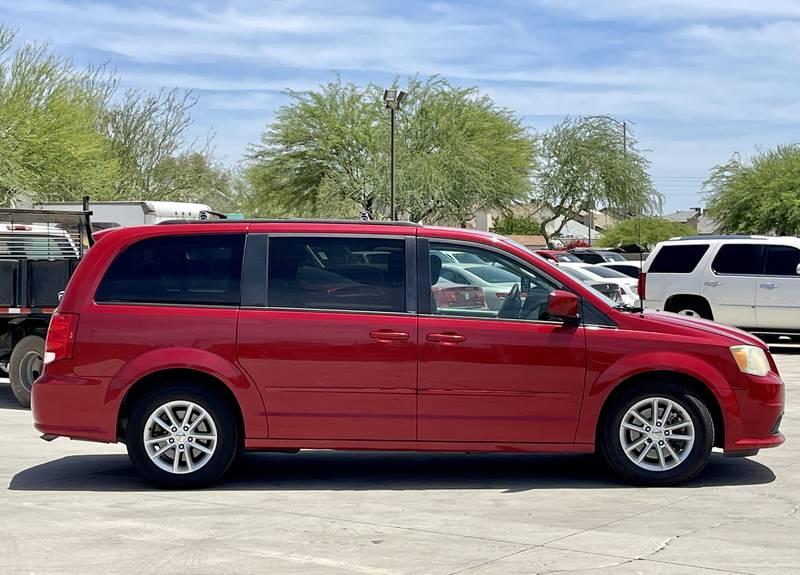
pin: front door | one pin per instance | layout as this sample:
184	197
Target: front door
778	292
507	375
334	351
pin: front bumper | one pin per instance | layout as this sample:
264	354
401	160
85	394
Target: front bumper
73	407
755	424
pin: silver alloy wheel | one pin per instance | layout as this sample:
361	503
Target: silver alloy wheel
657	434
689	312
180	437
30	368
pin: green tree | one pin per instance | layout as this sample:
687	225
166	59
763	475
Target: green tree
326	153
584	163
147	132
511	224
643	231
759	196
50	148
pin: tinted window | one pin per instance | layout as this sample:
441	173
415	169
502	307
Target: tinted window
677	259
332	273
782	261
738	259
201	270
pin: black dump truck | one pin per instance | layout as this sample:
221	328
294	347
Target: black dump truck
39	250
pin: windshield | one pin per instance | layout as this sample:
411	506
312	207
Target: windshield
493	275
588	281
605	272
612	257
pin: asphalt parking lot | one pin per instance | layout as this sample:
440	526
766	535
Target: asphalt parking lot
73	507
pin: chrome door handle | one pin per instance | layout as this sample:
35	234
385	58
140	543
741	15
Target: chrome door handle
770	285
445	337
388	335
713	283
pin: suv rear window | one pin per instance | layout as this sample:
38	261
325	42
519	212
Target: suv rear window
333	273
737	259
677	259
198	270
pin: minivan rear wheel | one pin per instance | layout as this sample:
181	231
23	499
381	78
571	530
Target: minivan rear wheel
182	436
659	433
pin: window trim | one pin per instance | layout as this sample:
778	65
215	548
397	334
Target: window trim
410	276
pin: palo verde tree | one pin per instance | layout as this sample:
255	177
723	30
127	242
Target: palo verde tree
326	153
760	195
643	231
50	148
584	163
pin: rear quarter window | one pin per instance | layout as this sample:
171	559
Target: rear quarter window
194	270
677	259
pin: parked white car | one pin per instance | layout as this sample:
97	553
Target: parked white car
627	285
751	282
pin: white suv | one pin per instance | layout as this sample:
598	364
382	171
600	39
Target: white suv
751	282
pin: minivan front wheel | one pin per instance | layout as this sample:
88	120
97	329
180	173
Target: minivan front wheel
657	434
182	437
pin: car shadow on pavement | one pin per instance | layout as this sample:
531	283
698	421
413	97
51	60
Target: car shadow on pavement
354	471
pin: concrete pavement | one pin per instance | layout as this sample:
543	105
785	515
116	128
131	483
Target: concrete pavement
72	507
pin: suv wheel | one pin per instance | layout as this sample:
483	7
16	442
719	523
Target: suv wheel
25	366
182	437
692	307
657	434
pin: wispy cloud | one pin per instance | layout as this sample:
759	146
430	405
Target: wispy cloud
701	79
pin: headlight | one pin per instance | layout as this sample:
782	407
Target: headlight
751	359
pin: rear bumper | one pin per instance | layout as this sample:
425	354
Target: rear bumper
73	407
756	426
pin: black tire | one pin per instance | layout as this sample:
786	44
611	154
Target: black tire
227	445
22	367
610	442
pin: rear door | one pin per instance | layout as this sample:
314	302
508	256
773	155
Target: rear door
729	283
334	350
778	292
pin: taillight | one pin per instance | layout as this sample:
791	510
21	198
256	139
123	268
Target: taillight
60	337
642	285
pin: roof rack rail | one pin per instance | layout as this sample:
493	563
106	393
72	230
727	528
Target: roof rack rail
719	237
292	221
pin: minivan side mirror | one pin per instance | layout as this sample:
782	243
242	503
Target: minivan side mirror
798	269
563	305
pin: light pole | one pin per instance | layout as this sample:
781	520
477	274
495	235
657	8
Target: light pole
624	126
392	98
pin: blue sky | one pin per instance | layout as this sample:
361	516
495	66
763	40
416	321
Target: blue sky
701	79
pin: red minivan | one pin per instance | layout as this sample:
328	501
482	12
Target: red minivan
192	341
